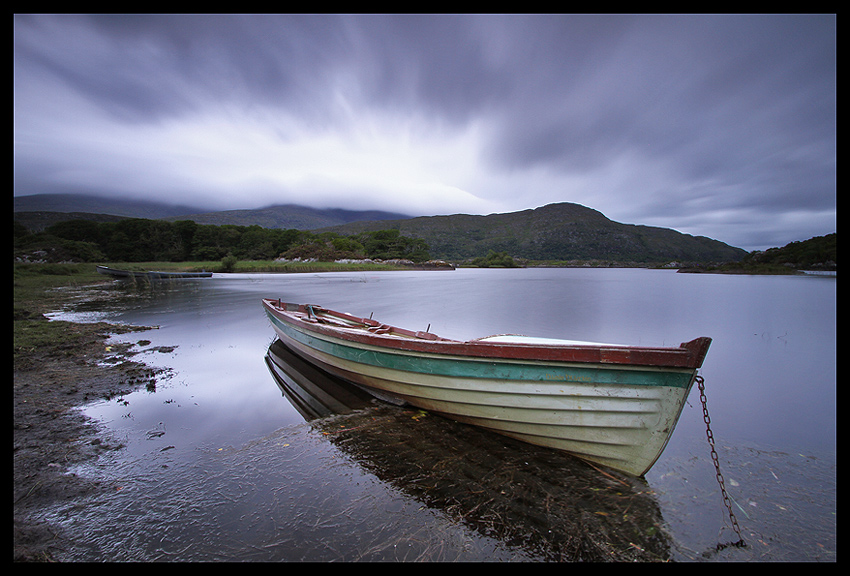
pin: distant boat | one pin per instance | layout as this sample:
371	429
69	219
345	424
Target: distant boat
609	404
150	275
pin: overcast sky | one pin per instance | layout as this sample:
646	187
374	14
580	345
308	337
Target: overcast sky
721	126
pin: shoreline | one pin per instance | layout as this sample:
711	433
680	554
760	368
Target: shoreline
60	366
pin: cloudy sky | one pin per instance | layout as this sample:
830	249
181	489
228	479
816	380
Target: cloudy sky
722	126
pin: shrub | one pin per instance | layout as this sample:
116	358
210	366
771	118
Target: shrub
228	263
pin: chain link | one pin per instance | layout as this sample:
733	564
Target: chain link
710	435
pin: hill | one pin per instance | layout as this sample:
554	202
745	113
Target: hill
81	203
39	211
38	221
556	232
289	216
816	254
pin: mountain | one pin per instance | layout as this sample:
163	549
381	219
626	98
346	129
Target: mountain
99	205
290	216
38	211
563	231
557	232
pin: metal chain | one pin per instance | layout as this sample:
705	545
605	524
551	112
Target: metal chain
726	500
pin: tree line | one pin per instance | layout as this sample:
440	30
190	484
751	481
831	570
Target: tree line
143	240
817	252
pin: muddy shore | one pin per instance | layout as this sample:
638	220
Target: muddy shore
51	381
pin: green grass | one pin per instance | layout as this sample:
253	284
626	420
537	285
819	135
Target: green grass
35	284
246	266
163	266
272	266
36	291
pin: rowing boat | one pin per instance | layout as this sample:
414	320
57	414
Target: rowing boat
150	274
613	405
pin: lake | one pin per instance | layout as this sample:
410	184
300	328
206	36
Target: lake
220	466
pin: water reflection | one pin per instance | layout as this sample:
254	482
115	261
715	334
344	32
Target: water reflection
552	506
311	391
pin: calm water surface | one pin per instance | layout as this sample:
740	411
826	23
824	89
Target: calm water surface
219	465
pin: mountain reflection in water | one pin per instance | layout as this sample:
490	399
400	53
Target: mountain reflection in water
547	503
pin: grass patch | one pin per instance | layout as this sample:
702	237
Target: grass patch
39	289
244	266
273	266
35	285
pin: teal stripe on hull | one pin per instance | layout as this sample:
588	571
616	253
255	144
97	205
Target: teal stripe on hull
459	367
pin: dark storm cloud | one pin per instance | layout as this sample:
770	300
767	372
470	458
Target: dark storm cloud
717	125
149	66
165	64
710	93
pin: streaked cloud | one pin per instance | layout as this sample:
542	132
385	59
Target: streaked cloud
723	126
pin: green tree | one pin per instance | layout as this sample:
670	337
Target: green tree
185	230
80	230
388	244
495	259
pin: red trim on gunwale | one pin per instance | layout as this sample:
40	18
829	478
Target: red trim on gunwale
688	355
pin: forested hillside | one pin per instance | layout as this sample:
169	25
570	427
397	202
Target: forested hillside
557	232
141	240
818	252
814	254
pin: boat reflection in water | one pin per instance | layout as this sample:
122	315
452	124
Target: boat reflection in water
312	391
545	503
